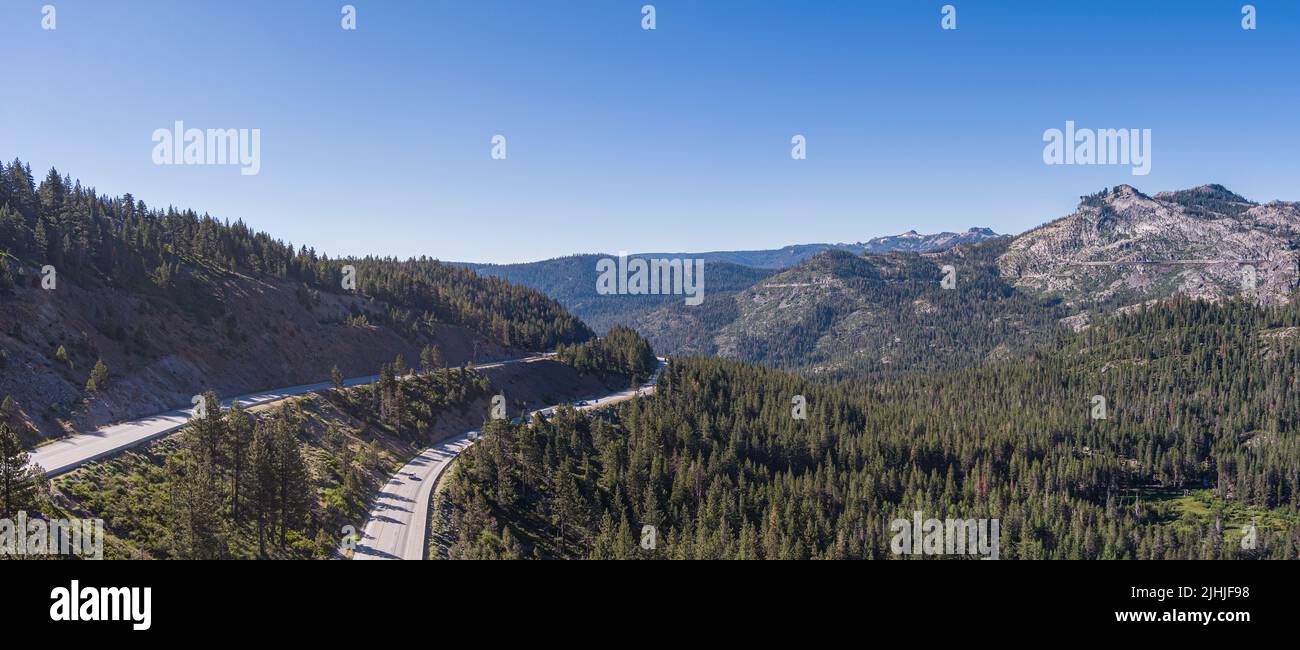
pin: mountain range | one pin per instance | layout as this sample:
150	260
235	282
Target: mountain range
965	367
879	306
836	310
570	279
787	256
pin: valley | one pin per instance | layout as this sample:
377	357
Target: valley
953	371
994	304
878	308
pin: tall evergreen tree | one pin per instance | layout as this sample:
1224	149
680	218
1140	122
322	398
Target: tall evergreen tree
20	482
294	478
431	358
264	498
238	442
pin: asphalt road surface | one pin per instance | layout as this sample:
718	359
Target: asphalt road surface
68	453
399	519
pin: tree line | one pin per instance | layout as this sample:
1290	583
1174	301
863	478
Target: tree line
171	252
621	351
1200	410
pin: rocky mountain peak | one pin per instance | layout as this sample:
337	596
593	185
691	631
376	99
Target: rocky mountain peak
914	242
1127	191
1122	245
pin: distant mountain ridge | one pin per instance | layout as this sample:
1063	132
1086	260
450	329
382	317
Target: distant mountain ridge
877	307
842	314
911	242
571	279
788	256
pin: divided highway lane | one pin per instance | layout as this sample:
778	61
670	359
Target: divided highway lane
399	518
66	454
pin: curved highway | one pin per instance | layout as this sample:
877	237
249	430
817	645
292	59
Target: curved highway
399	519
66	454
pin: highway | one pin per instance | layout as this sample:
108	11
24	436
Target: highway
68	453
399	519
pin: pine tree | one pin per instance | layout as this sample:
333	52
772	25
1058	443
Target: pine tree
205	436
21	483
6	276
294	479
195	530
264	495
566	504
325	545
42	241
98	380
238	442
431	358
510	546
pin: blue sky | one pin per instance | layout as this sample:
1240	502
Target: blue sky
677	139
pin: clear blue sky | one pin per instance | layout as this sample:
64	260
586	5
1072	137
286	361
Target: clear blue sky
377	141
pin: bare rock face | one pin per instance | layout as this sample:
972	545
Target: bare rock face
159	355
914	242
1123	247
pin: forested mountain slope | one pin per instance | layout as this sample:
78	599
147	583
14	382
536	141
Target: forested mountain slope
572	282
283	480
842	315
174	303
1199	439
